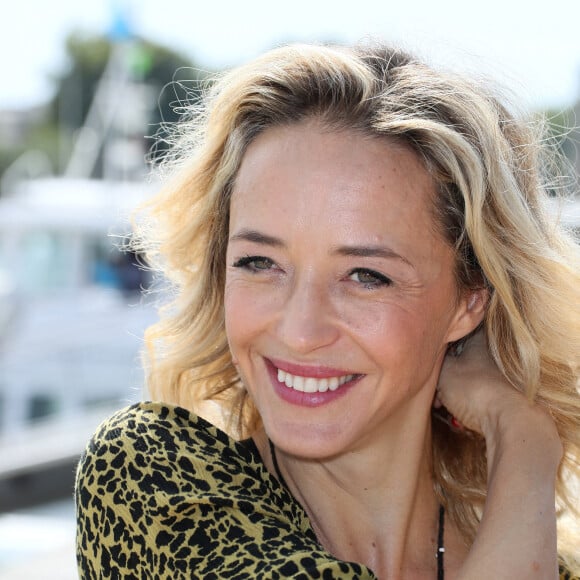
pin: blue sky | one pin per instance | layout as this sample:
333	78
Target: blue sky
532	47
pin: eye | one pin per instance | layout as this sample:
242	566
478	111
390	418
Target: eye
369	278
254	263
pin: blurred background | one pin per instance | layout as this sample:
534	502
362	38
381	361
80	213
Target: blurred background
86	92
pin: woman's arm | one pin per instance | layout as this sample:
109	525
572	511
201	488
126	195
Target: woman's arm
517	534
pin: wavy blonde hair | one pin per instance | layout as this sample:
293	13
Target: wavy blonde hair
491	206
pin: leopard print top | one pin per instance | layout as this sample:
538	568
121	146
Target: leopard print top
163	494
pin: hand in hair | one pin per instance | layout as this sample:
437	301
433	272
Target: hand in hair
473	389
518	527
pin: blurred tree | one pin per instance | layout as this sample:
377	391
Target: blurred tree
171	79
560	124
564	132
162	82
38	136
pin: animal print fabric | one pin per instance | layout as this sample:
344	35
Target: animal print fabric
163	494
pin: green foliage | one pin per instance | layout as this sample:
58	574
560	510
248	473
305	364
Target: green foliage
44	137
564	132
562	128
172	79
176	82
87	57
8	155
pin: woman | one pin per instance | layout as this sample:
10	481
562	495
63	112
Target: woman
359	245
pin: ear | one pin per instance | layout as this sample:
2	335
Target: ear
469	314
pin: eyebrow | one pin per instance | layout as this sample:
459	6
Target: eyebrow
257	237
370	252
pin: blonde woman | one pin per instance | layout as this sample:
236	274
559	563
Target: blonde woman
359	247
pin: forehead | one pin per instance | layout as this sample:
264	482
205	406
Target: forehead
342	177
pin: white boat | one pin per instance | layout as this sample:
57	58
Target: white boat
72	324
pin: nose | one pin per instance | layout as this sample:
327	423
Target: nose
307	321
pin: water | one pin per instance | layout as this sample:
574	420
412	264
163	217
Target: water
39	543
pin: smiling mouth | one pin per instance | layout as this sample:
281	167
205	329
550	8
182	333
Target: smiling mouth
311	384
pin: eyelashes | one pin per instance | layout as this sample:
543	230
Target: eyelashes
365	277
369	278
254	263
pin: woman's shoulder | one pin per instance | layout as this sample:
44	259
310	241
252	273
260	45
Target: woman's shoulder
165	420
162	490
157	446
150	424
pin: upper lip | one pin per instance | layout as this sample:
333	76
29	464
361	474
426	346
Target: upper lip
314	371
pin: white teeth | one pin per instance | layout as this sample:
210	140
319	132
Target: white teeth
298	383
310	384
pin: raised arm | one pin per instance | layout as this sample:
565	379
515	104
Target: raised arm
517	534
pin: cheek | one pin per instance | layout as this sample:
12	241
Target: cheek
245	314
395	331
235	313
387	328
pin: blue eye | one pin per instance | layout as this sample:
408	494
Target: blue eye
369	278
254	263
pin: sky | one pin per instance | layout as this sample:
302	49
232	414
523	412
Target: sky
530	46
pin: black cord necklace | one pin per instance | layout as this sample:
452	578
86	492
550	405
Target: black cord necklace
441	544
440	532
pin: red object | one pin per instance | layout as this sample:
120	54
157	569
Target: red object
455	423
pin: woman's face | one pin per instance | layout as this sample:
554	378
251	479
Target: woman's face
340	296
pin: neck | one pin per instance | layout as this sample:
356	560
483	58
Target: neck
374	504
